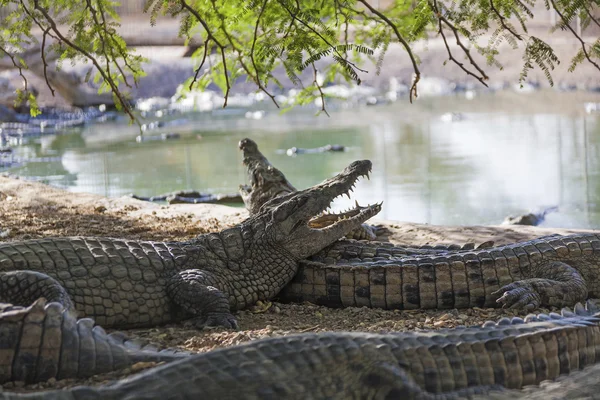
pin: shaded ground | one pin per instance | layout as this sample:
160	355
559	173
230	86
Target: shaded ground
31	210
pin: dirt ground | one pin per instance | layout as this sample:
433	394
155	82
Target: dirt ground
31	210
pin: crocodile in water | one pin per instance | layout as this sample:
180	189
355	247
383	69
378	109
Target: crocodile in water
192	197
328	148
126	283
533	218
453	363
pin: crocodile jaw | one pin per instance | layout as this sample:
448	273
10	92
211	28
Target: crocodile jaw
291	214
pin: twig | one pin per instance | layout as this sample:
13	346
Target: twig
295	16
590	15
206	42
104	45
17	65
413	88
240	58
441	19
525	8
574	34
82	51
185	5
258	82
454	60
502	20
320	91
112	52
312	328
46	33
45	63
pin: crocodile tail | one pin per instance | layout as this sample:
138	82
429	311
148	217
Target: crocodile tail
46	341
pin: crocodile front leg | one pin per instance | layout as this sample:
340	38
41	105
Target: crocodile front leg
25	287
556	284
197	293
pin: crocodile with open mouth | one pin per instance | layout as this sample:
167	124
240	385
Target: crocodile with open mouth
126	283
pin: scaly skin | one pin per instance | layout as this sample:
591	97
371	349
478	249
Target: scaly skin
45	341
127	283
267	183
550	271
449	364
581	385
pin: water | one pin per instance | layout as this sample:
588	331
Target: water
511	153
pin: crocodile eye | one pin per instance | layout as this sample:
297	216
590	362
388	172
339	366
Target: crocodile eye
282	213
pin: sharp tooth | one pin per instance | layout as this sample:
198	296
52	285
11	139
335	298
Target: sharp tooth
347	194
356	202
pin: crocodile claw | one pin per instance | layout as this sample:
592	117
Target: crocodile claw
518	295
213	320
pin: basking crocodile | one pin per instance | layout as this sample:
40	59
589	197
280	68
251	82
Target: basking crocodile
126	283
551	271
453	363
268	183
45	341
580	385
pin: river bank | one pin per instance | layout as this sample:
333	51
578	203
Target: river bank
30	210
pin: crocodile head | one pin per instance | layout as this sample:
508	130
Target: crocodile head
287	219
266	181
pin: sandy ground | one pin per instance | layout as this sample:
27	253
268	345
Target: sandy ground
32	210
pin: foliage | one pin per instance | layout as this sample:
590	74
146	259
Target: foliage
250	39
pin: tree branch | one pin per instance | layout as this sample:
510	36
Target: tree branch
90	57
204	55
240	56
17	65
191	10
45	63
295	16
319	89
502	20
413	89
110	47
441	19
574	34
258	82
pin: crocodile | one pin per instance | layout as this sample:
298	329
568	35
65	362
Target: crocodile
580	385
453	363
268	183
552	270
191	197
532	218
45	341
329	148
126	283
